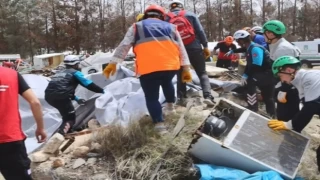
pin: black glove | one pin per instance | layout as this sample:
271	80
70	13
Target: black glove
81	102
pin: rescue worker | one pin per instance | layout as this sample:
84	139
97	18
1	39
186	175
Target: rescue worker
257	73
196	44
14	161
159	53
8	64
287	68
139	17
61	90
224	47
256	38
286	95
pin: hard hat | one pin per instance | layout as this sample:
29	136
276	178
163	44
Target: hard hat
139	17
282	61
215	126
257	29
175	3
275	26
240	34
71	60
155	9
228	39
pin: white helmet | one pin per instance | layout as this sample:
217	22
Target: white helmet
240	34
71	60
178	2
257	29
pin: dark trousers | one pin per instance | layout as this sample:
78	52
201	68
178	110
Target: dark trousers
150	84
286	111
65	108
197	61
14	161
265	83
224	63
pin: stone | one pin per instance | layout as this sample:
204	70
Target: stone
58	163
54	143
95	147
81	151
91	161
79	162
83	140
39	157
91	155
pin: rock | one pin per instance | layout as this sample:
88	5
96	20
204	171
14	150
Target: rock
83	140
58	163
91	155
91	161
81	151
79	162
95	147
52	146
100	177
93	124
39	157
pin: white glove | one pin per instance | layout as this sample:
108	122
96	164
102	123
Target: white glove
229	53
244	80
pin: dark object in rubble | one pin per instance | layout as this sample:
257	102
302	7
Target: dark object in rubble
215	126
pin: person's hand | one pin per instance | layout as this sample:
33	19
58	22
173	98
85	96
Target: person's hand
206	52
243	80
186	76
81	102
110	69
279	125
41	135
229	53
282	97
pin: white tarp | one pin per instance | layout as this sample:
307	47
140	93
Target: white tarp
123	101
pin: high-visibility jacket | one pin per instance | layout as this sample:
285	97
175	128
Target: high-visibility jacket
156	47
10	120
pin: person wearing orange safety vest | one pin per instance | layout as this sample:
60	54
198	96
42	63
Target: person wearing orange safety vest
224	47
160	53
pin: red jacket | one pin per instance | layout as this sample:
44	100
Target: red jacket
10	120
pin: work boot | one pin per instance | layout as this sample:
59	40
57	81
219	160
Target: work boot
182	102
168	110
209	100
65	127
161	128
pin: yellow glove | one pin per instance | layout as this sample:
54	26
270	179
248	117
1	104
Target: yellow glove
282	97
186	76
110	69
279	125
206	53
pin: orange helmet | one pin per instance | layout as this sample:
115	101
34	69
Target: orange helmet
155	9
228	39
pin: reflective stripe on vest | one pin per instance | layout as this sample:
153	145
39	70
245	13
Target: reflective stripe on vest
155	47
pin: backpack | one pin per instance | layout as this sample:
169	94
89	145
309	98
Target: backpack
184	27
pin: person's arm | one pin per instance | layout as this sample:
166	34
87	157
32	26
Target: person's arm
124	47
26	92
199	30
87	83
216	48
304	116
184	58
239	50
257	60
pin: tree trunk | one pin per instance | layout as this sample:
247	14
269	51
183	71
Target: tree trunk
251	12
263	11
29	34
294	22
55	27
77	39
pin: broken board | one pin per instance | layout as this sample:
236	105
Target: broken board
281	150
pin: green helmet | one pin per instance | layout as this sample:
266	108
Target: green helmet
283	61
275	26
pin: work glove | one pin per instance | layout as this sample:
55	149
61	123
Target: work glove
110	69
206	53
186	76
244	80
81	102
279	125
229	53
282	97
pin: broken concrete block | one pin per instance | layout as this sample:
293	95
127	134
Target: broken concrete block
79	162
91	161
81	151
53	144
58	163
39	157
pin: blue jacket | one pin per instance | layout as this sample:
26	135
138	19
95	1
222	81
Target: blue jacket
201	38
259	39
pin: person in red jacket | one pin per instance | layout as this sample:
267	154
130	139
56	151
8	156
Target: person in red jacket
14	161
224	47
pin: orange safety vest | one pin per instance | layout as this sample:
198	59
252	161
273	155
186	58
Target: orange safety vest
155	46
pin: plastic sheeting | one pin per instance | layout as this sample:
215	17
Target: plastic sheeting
123	102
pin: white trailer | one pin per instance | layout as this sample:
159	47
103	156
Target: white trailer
310	52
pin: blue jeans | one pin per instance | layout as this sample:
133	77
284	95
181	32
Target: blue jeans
150	84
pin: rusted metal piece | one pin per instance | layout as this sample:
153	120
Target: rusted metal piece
68	144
